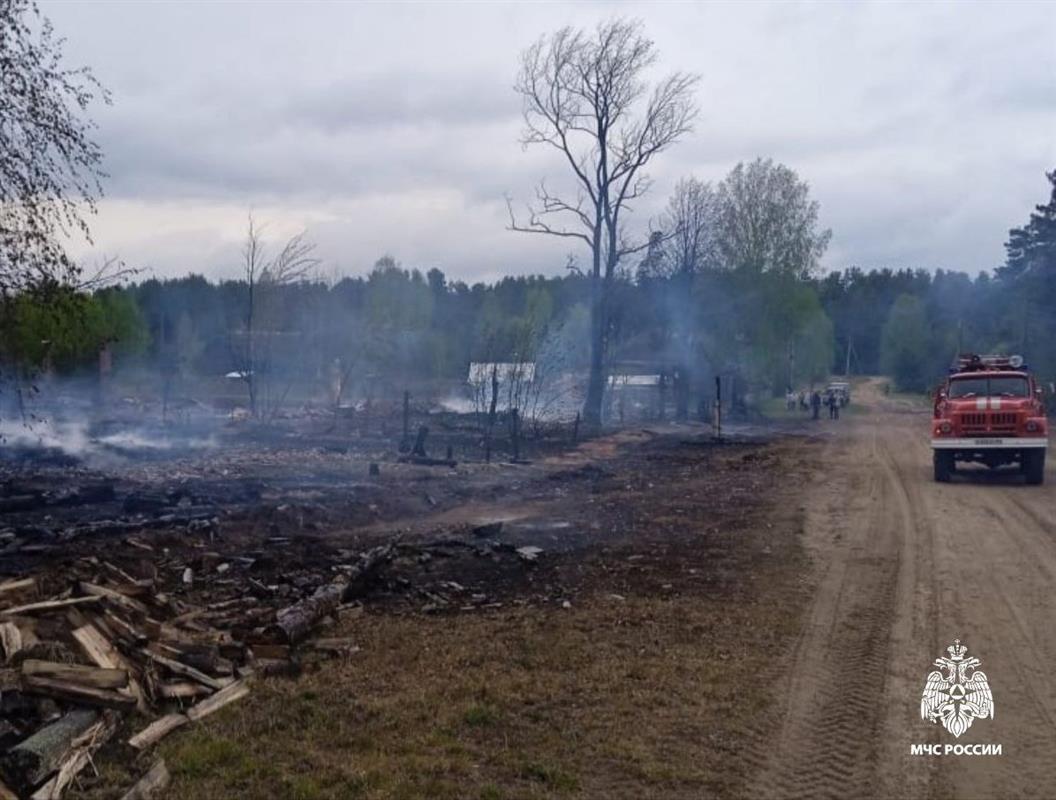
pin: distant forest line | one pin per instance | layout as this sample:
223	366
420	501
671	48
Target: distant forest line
770	328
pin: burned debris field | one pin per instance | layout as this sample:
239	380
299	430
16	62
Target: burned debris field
366	622
526	401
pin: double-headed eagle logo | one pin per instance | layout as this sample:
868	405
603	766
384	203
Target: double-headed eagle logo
956	693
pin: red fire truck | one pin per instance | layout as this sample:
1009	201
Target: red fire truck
989	410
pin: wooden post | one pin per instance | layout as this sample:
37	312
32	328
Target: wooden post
718	405
419	442
662	386
492	409
515	434
406	418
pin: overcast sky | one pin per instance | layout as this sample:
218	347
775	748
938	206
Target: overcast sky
923	130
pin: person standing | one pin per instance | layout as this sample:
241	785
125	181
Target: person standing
815	403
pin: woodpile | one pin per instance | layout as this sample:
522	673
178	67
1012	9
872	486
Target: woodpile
98	652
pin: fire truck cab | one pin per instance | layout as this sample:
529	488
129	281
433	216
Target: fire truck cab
990	411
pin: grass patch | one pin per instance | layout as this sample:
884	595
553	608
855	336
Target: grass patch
480	716
204	754
550	776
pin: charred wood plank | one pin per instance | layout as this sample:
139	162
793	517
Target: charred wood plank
118	598
145	503
9	680
180	668
75	692
87	494
21	502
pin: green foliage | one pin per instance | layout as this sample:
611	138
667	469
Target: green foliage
65	329
757	323
768	222
905	344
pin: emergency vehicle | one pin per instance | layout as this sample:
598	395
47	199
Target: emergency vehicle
989	411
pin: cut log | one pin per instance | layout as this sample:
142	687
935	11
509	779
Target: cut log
188	672
75	692
157	730
49	605
27	764
78	757
364	572
295	622
10	640
28	628
118	598
151	785
229	694
18	585
183	690
95	677
103	654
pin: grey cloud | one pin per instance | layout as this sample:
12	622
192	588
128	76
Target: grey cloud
922	129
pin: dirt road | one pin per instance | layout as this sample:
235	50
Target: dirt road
904	567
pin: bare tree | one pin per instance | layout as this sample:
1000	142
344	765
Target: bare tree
585	95
691	224
264	277
768	222
50	167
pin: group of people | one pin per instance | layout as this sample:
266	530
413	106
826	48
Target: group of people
813	401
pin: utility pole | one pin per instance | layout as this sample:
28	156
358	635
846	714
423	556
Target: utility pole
847	366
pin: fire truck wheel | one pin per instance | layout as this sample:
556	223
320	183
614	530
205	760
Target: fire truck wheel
943	465
1034	466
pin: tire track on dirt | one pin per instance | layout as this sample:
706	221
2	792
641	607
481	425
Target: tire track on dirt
903	566
825	744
